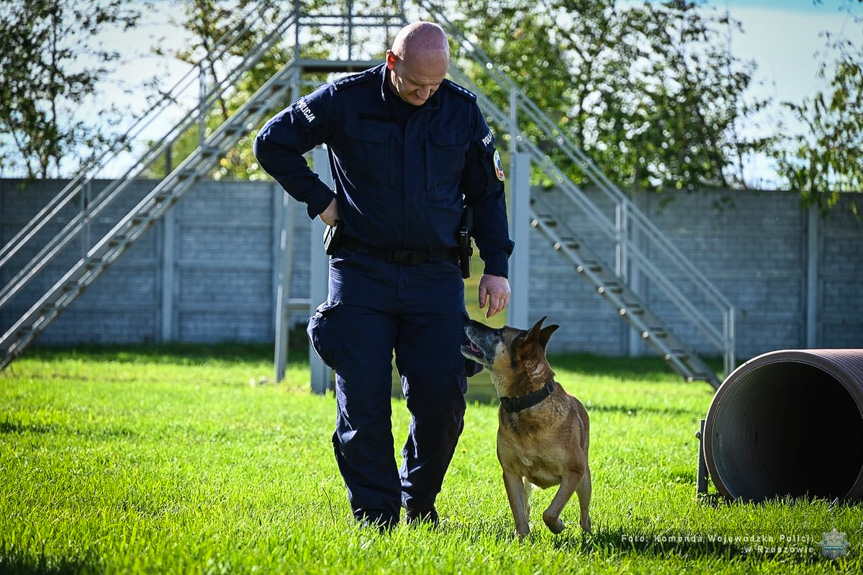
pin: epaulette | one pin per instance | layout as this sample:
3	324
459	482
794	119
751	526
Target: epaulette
459	90
354	79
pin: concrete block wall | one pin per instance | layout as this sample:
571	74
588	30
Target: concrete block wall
754	251
556	290
223	263
752	245
208	271
839	307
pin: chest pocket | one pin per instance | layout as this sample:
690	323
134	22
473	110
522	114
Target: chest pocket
368	147
445	157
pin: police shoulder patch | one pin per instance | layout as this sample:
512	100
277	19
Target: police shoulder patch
459	90
353	79
498	167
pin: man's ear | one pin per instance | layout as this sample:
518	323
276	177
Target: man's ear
391	60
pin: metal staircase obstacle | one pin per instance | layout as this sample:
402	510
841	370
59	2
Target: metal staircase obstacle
630	306
674	280
155	203
355	30
134	134
610	281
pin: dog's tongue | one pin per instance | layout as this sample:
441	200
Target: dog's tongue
471	346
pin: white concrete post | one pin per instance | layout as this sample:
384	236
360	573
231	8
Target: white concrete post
167	330
282	260
813	234
519	263
320	273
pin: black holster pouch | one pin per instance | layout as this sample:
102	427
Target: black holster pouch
465	250
332	235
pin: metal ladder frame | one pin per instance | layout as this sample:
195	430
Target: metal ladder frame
629	217
165	194
148	210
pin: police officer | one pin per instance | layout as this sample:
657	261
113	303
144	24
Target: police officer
409	150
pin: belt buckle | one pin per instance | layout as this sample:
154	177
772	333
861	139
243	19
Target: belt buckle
402	257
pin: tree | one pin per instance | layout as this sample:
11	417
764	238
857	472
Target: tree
649	91
50	67
208	21
826	160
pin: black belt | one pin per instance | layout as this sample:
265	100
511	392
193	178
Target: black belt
403	257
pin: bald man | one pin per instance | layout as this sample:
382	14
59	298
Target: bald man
409	151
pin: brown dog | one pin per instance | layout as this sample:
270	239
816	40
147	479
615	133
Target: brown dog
543	432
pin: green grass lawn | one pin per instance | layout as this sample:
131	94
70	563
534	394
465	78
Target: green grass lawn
167	460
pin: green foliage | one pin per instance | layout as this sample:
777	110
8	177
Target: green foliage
827	158
648	90
165	459
207	21
50	68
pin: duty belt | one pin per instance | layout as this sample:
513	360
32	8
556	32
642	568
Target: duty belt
402	257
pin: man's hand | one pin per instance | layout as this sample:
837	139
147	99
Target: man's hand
331	214
494	291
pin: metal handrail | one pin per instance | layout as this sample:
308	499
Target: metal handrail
638	220
115	148
117	186
250	112
723	340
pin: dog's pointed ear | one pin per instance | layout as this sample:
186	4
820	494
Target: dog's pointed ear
533	334
545	334
540	334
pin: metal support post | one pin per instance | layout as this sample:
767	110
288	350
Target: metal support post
701	476
812	265
167	332
283	259
622	268
519	267
320	373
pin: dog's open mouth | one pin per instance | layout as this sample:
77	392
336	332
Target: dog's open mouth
472	350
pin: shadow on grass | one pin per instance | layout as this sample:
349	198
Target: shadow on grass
14	561
168	353
10	426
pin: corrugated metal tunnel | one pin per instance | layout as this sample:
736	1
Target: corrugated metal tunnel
789	423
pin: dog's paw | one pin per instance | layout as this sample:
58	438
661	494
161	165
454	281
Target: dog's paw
554	524
585	524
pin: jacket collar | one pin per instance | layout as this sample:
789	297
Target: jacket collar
387	91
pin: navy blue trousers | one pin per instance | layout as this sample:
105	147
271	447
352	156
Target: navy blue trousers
375	310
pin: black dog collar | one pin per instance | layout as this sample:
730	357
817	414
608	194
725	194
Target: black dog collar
519	403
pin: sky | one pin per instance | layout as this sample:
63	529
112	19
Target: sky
783	37
786	40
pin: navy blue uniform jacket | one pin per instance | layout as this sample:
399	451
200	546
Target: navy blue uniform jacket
399	185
